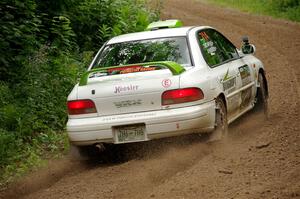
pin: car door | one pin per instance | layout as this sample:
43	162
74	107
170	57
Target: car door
224	62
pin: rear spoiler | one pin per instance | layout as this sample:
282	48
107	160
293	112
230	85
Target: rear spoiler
174	67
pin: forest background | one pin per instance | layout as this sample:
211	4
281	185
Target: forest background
44	47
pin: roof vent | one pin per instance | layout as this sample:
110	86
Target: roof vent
171	23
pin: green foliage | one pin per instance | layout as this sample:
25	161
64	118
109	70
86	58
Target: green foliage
48	80
104	32
288	9
44	45
19	24
284	5
95	21
8	146
63	33
34	109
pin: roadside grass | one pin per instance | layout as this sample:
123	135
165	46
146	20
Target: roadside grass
285	9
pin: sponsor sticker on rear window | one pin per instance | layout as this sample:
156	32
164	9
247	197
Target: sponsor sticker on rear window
125	70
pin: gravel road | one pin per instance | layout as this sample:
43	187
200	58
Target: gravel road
260	159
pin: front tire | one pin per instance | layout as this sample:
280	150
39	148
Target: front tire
262	97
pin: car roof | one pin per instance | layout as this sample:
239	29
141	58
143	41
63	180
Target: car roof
160	33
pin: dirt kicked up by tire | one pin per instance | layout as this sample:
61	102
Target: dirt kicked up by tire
221	126
259	159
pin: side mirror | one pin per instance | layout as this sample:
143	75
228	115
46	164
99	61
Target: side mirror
247	48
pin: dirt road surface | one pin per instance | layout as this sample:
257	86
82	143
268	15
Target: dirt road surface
258	160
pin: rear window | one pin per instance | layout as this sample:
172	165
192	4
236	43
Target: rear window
152	50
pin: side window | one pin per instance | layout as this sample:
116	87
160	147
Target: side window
225	45
215	48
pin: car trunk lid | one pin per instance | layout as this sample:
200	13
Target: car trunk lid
128	89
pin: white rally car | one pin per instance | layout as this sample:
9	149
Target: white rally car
166	81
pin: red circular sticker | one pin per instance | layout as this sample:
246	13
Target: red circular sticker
166	83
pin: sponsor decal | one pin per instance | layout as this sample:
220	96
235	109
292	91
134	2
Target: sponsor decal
208	44
246	97
130	69
226	76
204	36
128	103
131	116
212	50
229	85
97	74
228	82
166	83
233	102
125	70
121	89
245	74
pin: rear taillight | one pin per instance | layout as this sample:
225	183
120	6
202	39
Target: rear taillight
81	107
181	96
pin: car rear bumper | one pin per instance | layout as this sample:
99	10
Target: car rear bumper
158	124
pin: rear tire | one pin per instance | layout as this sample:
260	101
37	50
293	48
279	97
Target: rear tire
221	124
107	153
114	153
262	97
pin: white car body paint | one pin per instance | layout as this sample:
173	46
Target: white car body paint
135	98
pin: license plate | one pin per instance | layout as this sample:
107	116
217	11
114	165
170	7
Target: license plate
130	133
